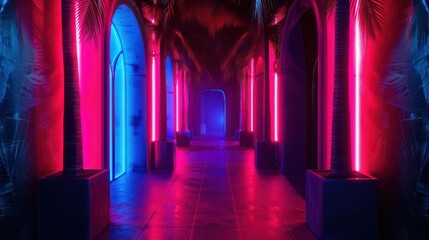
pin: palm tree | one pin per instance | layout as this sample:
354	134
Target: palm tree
90	16
370	14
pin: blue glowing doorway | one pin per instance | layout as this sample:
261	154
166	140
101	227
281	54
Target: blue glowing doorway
117	104
213	112
126	94
170	98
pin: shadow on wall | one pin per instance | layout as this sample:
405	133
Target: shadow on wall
299	101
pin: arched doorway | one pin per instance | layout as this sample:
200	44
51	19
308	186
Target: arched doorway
299	103
126	94
213	112
170	98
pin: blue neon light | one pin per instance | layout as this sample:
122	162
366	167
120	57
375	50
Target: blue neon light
213	112
170	99
118	103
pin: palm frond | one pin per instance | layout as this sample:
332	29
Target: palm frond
3	4
371	16
170	8
328	7
189	42
239	62
421	22
402	87
238	54
38	17
90	15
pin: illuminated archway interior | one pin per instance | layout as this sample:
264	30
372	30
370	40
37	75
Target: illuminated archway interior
213	112
127	84
170	98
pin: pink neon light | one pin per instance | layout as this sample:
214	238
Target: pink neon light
78	46
357	92
276	113
177	105
153	100
252	76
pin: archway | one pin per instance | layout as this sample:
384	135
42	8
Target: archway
213	112
126	94
170	98
299	102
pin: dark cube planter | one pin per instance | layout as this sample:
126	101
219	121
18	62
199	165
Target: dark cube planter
246	139
267	154
342	208
73	207
163	154
183	139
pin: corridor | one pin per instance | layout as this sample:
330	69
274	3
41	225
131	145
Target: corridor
214	192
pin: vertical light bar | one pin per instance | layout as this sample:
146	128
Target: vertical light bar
177	104
276	113
153	100
110	125
78	46
153	87
252	77
124	114
358	63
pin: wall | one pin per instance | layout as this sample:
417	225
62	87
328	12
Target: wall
390	150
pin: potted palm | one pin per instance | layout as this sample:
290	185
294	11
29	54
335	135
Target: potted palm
341	203
74	203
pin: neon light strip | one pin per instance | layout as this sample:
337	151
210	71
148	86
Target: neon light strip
357	91
177	105
276	114
110	125
124	114
252	76
78	46
153	100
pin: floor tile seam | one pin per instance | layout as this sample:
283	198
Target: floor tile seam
233	197
164	196
198	201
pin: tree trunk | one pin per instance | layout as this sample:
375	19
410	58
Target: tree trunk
341	154
72	126
266	117
162	99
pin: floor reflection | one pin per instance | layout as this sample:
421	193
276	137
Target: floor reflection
215	192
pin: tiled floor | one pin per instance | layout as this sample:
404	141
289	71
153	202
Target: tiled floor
214	192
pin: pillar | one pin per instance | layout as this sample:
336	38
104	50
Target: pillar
183	135
266	150
163	150
246	136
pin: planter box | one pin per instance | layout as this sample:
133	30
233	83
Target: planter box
266	154
246	139
73	207
163	154
183	139
342	208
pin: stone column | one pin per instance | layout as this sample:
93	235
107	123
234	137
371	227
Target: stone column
246	136
163	150
183	136
266	150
